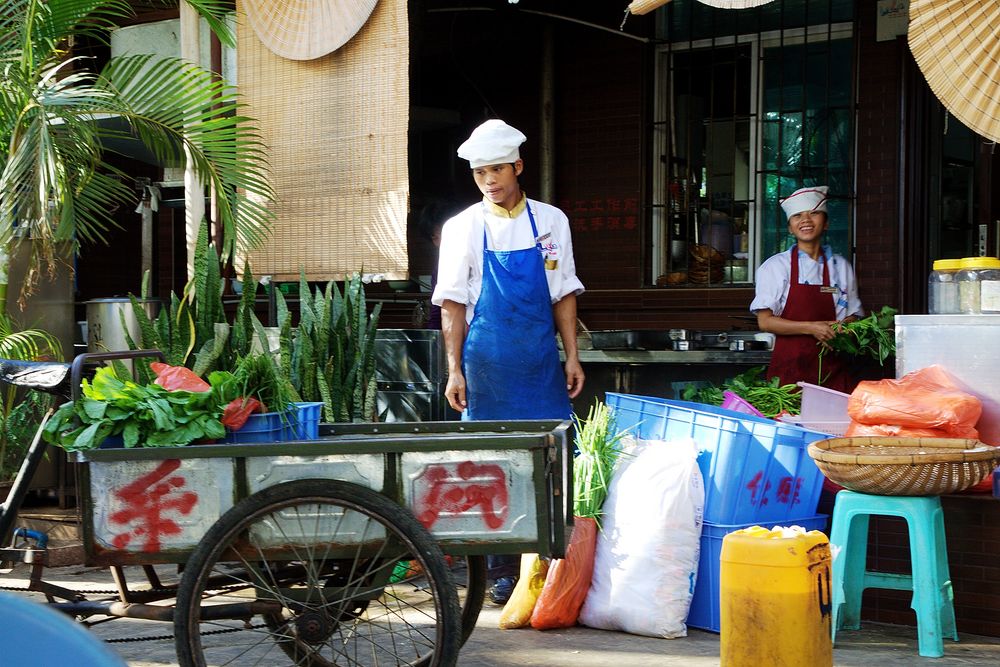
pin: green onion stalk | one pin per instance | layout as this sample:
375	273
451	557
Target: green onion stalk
598	444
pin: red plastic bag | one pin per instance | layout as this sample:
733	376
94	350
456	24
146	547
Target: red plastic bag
925	399
238	412
568	580
177	378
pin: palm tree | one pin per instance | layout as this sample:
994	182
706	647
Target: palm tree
56	184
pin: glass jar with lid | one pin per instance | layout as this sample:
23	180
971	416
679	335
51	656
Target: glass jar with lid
970	276
942	288
989	287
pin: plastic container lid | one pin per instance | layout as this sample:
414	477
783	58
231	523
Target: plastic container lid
980	263
947	264
820	404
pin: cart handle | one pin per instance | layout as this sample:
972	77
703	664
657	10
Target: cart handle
76	372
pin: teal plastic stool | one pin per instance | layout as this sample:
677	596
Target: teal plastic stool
930	581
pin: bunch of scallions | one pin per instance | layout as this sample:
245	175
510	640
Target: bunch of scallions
599	447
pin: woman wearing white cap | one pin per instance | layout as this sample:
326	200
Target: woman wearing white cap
506	282
802	293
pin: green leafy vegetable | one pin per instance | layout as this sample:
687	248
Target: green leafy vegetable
769	396
873	337
598	445
143	415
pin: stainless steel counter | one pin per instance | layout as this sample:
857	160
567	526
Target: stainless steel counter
749	357
966	346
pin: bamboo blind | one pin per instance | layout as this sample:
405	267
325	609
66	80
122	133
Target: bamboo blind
336	131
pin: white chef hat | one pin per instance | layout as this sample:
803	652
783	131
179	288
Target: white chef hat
493	142
805	199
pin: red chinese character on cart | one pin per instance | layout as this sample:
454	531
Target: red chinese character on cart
471	485
149	501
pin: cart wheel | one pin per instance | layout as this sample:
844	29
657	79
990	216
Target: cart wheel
469	575
475	592
301	573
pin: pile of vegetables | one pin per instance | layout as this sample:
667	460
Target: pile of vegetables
873	337
146	414
177	409
770	397
598	444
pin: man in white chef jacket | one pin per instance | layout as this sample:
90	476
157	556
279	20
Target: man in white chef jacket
506	283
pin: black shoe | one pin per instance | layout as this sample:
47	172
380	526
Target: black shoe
501	589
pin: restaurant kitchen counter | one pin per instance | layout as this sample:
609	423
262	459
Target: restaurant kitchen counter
745	357
659	373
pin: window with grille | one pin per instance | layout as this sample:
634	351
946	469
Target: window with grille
750	105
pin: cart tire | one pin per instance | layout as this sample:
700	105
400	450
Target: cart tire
475	594
320	554
469	574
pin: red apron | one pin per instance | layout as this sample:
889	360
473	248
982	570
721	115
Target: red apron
796	358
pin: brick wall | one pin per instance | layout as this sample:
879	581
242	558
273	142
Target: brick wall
877	261
599	121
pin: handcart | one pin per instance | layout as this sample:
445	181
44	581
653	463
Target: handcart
318	552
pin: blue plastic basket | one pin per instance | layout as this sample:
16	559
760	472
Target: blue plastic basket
259	427
303	422
112	442
755	469
704	611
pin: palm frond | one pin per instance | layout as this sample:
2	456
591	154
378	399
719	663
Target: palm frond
26	344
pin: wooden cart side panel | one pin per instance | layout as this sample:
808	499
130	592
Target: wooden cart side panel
473	496
366	470
156	507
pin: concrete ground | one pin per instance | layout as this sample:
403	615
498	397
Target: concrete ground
875	644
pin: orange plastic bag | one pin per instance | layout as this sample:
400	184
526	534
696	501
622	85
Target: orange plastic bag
925	399
568	580
177	378
897	431
517	612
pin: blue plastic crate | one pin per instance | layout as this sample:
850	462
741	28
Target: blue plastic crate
112	442
259	427
755	469
303	422
705	603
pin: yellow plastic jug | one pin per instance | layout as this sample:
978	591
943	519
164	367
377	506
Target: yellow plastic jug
775	598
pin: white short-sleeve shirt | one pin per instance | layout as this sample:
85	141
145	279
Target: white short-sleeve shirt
774	275
460	267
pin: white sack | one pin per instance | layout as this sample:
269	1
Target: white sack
647	553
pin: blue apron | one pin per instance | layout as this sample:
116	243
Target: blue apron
510	360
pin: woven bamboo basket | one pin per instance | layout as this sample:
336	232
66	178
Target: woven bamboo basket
706	264
905	466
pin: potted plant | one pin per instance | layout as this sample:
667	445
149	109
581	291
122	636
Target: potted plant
330	356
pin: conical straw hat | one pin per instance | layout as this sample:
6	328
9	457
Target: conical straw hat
734	4
645	6
639	7
956	44
306	29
